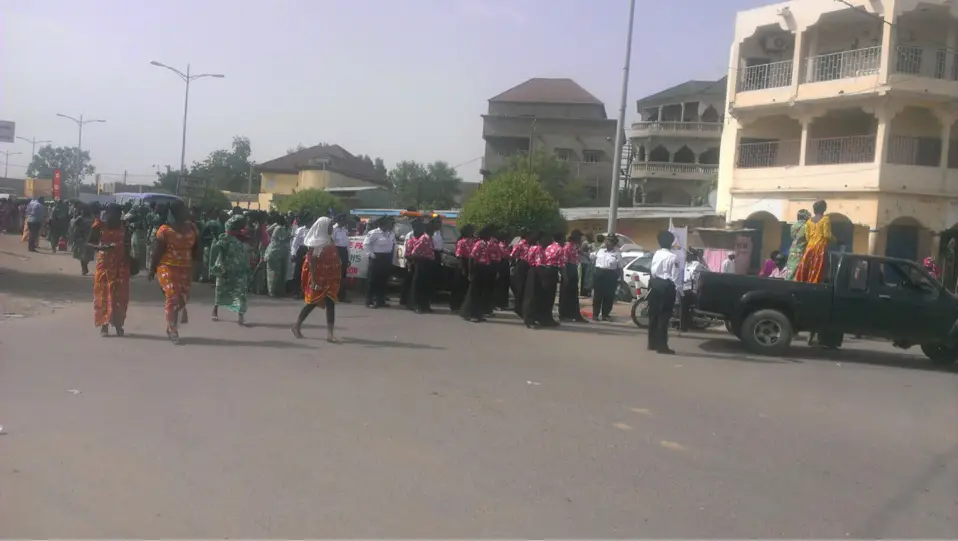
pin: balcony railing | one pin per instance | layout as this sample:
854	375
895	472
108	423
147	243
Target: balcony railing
946	65
833	66
773	75
839	150
674	169
924	151
768	154
655	126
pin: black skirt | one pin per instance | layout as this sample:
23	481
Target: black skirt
474	306
519	278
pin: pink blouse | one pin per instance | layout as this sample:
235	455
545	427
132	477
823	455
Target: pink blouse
495	251
534	255
422	247
520	250
571	253
464	247
480	252
504	248
554	256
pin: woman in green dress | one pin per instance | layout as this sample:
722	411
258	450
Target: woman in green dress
229	266
799	242
277	257
209	233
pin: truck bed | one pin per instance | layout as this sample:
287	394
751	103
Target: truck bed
728	295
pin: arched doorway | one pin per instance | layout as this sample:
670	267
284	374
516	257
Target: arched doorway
766	237
684	155
902	237
710	114
659	154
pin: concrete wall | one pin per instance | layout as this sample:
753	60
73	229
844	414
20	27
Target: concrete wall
547	110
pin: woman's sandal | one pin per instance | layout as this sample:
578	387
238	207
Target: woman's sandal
105	331
174	336
296	331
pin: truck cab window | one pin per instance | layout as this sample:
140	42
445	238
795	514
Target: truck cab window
905	278
858	277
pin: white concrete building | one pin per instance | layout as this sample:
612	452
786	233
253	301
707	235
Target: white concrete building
854	102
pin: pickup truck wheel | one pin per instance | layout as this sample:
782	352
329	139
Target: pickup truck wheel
940	353
768	332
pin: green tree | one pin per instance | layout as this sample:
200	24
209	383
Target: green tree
380	166
50	158
556	177
316	202
513	200
214	199
229	169
433	186
166	182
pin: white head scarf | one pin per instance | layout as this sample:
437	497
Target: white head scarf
318	235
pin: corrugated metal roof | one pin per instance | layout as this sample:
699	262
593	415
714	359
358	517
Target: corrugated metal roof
686	89
639	213
541	90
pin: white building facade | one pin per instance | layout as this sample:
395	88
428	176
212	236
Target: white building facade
852	102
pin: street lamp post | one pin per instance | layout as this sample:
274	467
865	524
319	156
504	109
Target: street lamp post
620	126
187	78
6	161
79	122
33	144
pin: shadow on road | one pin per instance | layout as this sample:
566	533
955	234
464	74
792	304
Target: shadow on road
733	349
220	342
387	344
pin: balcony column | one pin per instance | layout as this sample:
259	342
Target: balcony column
661	110
682	118
882	134
797	60
806	121
946	122
889	43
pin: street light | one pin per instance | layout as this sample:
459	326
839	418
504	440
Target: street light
79	122
620	126
187	78
33	144
6	161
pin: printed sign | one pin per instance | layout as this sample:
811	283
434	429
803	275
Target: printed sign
56	184
7	131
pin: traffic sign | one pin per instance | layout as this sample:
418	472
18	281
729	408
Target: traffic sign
7	131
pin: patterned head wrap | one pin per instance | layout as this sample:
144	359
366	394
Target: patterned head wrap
804	215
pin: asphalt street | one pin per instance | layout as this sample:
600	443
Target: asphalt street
428	426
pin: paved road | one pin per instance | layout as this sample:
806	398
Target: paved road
427	426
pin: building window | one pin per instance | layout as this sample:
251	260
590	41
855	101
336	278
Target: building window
563	154
502	153
592	156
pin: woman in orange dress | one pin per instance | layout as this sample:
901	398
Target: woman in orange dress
321	277
111	280
818	232
177	250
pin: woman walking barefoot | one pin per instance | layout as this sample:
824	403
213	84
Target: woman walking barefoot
229	266
321	276
177	250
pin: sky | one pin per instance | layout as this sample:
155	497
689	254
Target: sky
401	80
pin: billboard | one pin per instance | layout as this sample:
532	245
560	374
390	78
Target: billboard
7	131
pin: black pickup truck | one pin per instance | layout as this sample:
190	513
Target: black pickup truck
862	295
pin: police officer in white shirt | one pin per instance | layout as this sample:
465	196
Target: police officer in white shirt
693	269
608	269
664	281
379	245
341	241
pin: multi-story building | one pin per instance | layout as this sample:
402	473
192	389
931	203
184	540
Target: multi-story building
853	102
675	145
557	117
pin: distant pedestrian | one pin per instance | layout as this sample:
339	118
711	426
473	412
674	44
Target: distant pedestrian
80	229
605	282
728	266
36	213
341	241
569	309
230	268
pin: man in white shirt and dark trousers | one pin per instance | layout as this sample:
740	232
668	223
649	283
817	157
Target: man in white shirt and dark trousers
663	283
605	282
379	245
341	240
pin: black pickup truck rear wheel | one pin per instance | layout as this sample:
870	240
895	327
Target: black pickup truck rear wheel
940	353
767	332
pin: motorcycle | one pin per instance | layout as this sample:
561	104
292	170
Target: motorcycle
640	314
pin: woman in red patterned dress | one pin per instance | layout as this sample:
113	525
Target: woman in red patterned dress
464	255
111	280
532	290
177	250
321	277
519	256
569	309
553	261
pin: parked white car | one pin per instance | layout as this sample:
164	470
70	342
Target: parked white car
636	272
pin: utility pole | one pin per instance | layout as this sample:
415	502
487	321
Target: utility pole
620	125
33	144
532	140
249	181
6	161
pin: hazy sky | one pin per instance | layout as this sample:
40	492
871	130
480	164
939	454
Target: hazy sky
402	79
